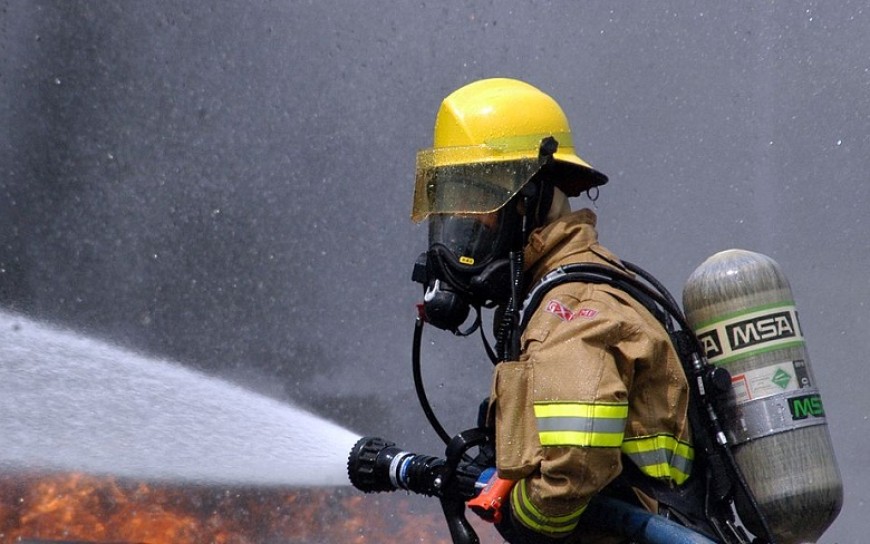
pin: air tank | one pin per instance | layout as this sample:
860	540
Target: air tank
741	307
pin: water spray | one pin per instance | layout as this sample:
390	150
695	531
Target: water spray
75	403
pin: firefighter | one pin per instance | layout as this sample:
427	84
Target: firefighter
592	383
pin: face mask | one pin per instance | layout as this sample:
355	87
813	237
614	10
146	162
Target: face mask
466	265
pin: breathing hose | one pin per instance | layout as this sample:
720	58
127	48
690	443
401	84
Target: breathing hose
418	379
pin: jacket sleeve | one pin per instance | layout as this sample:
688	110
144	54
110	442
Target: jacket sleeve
561	411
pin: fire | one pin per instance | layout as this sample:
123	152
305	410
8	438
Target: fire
76	507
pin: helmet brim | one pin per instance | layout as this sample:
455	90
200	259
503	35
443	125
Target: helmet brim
573	176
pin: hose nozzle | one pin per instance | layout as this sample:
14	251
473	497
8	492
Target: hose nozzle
376	465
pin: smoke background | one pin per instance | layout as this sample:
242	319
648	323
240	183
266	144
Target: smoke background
228	185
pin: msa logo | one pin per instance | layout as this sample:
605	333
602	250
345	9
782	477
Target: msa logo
761	329
806	406
711	343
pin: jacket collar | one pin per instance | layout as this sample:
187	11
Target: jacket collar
571	238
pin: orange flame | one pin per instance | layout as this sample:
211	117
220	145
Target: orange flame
74	507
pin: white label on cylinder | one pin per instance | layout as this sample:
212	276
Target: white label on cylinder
747	333
770	380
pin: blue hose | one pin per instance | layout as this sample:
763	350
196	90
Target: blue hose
643	527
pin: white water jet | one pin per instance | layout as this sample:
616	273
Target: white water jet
68	402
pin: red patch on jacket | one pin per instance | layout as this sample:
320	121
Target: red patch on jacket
565	314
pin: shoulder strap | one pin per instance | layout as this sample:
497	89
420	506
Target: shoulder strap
595	273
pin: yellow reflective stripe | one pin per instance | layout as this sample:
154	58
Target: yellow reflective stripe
581	424
582	439
661	456
528	514
581	409
529	141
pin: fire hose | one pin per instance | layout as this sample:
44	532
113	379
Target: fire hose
377	465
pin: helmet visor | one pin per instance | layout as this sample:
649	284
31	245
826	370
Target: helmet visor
445	187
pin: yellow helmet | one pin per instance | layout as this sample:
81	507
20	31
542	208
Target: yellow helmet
491	137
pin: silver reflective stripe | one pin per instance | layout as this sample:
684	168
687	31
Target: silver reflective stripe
661	457
682	464
581	424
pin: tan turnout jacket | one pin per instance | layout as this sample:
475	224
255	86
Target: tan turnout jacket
597	376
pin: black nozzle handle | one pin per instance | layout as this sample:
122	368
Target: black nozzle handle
454	509
461	531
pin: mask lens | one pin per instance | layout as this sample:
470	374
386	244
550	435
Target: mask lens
473	239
